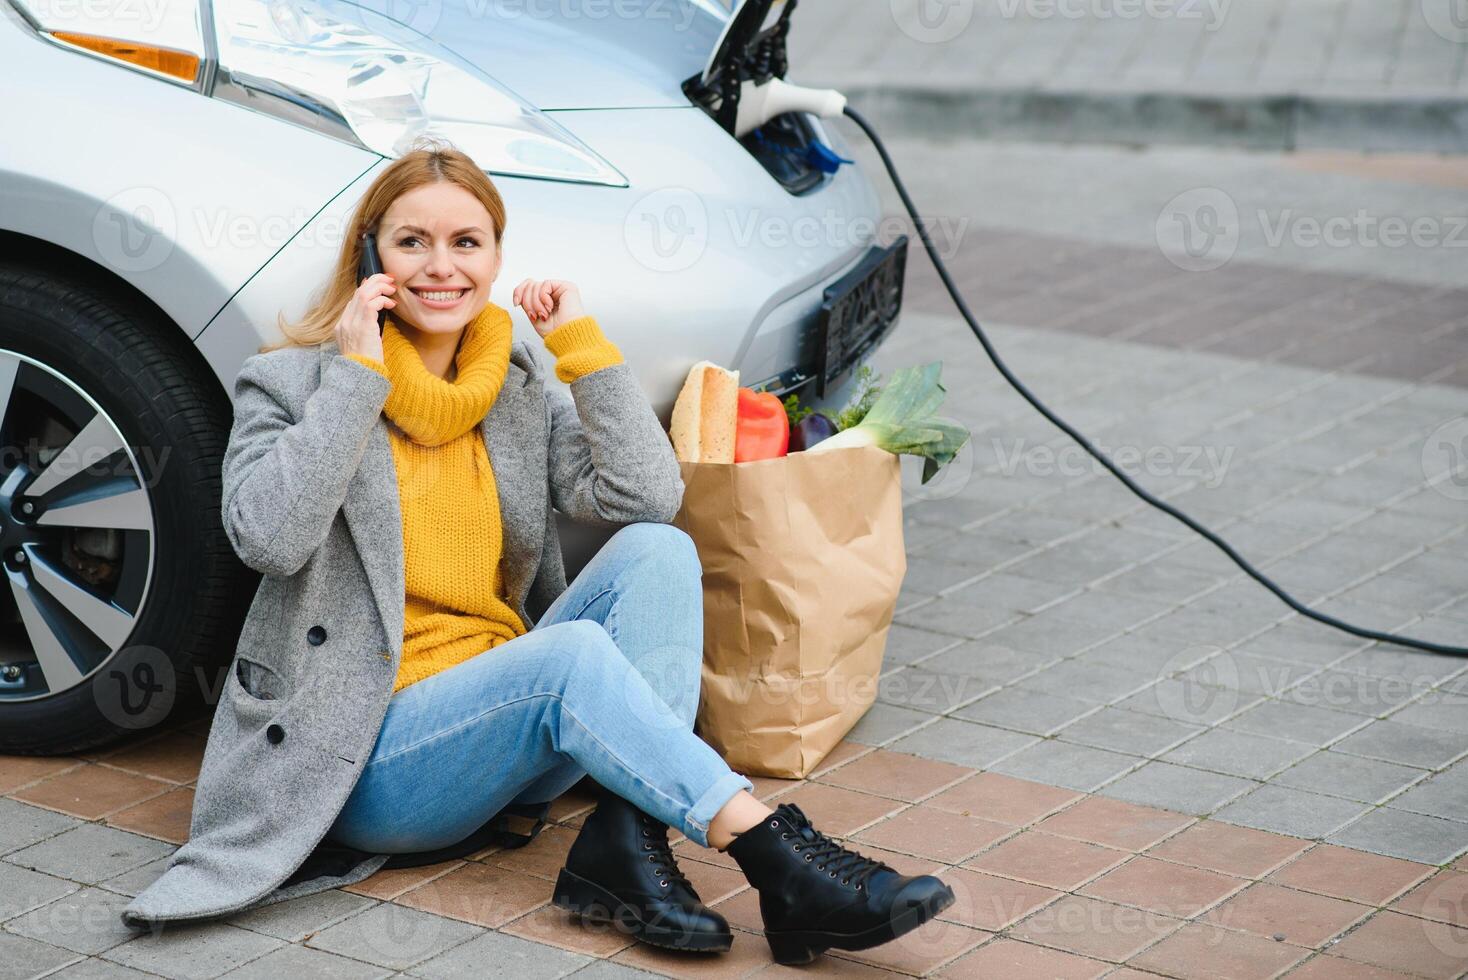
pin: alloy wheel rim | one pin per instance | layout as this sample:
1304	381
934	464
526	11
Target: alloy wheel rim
77	535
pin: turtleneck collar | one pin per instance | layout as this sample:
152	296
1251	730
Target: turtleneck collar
432	411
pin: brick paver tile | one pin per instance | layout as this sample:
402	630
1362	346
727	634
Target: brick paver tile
557	927
990	902
896	775
946	837
392	882
1171	889
91	791
1022	961
480	894
543	857
17	770
175	756
1341	872
1205	952
166	817
1044	859
921	951
1443	897
1115	824
578	800
1402	942
749	953
838	812
1229	849
1100	930
1323	967
712	882
1296	917
994	796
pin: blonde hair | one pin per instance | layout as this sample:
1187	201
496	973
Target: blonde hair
431	160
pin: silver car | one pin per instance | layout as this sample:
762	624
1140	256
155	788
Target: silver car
175	178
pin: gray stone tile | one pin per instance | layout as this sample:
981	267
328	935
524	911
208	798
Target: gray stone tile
22	890
1047	634
1290	811
22	957
1159	579
192	951
1129	732
1409	745
1442	795
957	614
1148	652
1025	710
22	825
906	644
1013	594
89	852
1178	788
393	936
85	921
1248	673
1303	641
1439	710
134	881
93	968
883	722
1407	665
1086	681
1410	836
496	956
1108	613
1358	693
297	918
963	743
303	961
1349	777
929	691
1238	753
990	661
1077	767
1188	702
1302	723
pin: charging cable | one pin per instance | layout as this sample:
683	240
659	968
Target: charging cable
790	96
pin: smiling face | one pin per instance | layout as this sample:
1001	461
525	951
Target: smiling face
437	242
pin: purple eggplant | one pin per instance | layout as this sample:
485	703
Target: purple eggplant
812	429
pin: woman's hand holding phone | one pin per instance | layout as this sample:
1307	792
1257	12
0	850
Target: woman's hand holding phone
548	303
357	331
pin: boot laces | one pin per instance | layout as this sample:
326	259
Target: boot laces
838	861
655	845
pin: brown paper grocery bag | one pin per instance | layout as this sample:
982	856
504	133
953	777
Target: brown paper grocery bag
802	561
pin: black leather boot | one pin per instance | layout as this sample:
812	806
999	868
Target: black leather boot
621	869
815	894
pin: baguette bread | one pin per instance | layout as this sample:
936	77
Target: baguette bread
706	415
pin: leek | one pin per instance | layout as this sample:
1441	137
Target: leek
902	421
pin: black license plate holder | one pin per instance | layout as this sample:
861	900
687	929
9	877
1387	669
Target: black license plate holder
858	311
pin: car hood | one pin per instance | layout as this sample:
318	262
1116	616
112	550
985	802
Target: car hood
579	54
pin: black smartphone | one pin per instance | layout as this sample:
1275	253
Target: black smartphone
371	265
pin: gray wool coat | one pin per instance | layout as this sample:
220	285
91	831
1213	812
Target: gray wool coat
310	499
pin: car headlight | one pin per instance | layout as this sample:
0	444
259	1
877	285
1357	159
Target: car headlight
355	73
335	67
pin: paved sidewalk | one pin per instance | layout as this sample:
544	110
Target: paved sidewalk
1281	74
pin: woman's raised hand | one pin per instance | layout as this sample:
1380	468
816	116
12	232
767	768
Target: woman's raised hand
548	303
356	331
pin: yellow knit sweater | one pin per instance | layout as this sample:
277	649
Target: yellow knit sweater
455	607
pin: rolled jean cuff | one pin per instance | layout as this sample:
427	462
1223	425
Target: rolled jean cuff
696	820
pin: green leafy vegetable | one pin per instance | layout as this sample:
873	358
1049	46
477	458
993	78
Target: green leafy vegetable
902	420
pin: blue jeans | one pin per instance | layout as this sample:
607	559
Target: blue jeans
605	683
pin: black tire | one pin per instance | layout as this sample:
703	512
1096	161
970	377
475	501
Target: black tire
146	377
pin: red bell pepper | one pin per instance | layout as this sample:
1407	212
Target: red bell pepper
763	428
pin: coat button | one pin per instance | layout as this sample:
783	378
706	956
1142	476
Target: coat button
275	733
316	636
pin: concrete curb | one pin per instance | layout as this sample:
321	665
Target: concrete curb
1430	122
